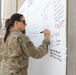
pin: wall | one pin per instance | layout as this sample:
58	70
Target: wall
71	60
10	7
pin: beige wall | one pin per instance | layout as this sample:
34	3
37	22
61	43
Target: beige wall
71	60
10	7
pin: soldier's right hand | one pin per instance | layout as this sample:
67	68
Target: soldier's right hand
47	34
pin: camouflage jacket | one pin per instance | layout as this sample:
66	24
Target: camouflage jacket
15	53
2	31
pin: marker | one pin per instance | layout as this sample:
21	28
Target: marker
42	32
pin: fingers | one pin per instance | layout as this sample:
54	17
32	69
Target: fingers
47	34
46	31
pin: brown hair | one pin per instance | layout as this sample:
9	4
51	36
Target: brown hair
13	18
7	22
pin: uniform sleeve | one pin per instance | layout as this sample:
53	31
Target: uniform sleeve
29	48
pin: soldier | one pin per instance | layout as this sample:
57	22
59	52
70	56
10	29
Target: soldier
3	29
17	47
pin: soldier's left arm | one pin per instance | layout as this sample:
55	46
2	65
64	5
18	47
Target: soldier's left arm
40	51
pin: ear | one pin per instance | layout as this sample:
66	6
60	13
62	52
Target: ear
16	22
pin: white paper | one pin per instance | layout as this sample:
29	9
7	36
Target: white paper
49	14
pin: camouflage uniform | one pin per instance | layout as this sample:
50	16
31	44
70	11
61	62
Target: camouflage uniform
16	52
2	31
2	34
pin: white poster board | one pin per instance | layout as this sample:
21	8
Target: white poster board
49	14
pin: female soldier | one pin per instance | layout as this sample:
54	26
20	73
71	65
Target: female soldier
17	48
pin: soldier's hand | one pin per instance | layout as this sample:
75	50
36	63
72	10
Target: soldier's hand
47	34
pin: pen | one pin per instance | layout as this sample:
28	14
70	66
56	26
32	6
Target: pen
42	32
